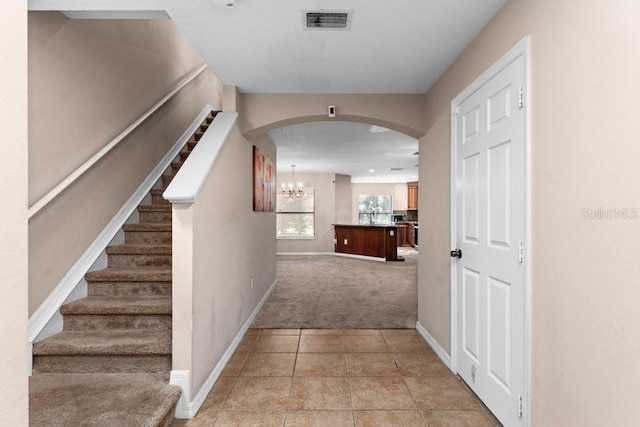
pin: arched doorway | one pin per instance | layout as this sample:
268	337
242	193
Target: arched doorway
263	118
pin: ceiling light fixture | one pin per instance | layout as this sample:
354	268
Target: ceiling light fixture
288	189
372	170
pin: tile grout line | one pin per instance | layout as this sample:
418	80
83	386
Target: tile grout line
235	378
293	372
346	370
251	351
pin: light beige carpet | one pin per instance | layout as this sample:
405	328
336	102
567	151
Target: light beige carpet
101	400
338	292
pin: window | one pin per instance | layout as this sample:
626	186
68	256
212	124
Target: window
376	208
295	217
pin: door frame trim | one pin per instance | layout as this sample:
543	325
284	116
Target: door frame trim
522	48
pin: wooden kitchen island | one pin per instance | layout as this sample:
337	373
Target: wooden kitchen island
379	241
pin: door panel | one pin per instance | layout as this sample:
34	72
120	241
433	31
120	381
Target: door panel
490	224
499	107
499	332
471	331
499	194
471	124
470	201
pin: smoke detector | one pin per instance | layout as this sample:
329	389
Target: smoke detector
225	4
327	19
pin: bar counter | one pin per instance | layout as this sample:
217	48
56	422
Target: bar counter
377	240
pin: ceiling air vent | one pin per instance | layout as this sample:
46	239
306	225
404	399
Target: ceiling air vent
395	169
327	19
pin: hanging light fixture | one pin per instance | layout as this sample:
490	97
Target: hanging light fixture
292	189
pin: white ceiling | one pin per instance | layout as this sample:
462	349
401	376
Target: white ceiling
347	148
393	46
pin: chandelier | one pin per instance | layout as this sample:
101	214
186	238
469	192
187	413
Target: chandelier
291	189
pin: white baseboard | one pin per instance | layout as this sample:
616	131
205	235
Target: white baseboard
65	288
441	352
187	408
304	253
364	257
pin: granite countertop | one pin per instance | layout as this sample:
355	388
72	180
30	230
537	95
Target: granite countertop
373	225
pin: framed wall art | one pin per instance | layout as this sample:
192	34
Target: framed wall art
264	182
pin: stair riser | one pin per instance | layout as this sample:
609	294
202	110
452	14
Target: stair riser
147	237
94	322
198	135
169	417
157	199
138	260
165	181
126	289
183	156
158	217
192	145
175	168
156	364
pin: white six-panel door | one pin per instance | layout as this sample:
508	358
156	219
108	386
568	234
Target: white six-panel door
489	138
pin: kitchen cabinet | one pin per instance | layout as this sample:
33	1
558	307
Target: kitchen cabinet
412	196
411	234
403	234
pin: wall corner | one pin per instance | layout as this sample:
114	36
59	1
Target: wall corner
230	99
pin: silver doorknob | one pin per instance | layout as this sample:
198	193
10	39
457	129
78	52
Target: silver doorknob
456	254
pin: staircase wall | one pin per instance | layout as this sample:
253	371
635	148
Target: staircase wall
14	388
219	245
88	81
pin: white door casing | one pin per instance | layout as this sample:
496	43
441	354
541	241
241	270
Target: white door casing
490	301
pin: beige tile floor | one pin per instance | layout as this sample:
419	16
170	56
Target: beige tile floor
334	377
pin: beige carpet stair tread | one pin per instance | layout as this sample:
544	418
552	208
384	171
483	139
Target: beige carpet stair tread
105	342
154	208
123	305
130	275
101	400
131	249
148	226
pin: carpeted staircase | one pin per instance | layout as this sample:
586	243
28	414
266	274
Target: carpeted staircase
119	336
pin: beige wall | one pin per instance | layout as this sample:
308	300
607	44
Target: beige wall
343	198
584	155
228	245
398	194
89	80
14	393
263	112
325	202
